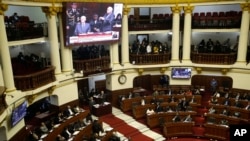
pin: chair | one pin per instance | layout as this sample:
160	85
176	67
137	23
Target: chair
209	19
202	19
196	20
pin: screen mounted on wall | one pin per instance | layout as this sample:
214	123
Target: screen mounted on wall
89	22
18	113
181	73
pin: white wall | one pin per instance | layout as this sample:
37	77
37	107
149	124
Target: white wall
94	78
34	13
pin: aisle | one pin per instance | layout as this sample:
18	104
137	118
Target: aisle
129	127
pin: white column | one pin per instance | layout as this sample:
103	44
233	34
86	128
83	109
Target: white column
5	53
244	29
51	13
125	40
115	53
66	52
175	33
187	33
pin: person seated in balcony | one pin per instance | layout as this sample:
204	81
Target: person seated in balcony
188	118
225	48
155	49
14	18
210	46
149	48
217	47
201	46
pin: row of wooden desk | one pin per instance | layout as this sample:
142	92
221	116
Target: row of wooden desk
84	132
139	111
244	113
154	119
211	131
127	104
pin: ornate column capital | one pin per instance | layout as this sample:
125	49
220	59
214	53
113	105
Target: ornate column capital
244	6
51	11
126	10
3	7
188	9
176	9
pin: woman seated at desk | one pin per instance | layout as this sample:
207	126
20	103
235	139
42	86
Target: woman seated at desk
150	111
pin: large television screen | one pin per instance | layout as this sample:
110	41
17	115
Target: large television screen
18	113
91	22
181	73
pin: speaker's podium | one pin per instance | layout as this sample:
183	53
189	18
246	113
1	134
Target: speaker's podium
102	109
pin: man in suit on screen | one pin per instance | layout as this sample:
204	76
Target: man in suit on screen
82	27
107	20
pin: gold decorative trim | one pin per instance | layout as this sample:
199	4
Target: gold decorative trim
140	71
31	98
3	7
224	71
51	90
126	10
176	9
162	70
51	11
188	9
244	6
199	70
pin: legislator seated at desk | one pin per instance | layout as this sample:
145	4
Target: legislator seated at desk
158	108
177	117
60	138
68	112
150	111
188	118
100	110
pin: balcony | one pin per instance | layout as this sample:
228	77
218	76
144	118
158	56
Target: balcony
92	66
149	59
34	80
213	58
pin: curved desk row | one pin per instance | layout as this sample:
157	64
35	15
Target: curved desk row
211	131
231	120
244	113
58	130
127	104
154	119
139	111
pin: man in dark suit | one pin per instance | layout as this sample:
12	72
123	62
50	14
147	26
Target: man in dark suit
68	112
176	118
158	108
95	24
107	20
73	14
82	27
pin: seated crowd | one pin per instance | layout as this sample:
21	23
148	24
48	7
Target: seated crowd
216	47
90	52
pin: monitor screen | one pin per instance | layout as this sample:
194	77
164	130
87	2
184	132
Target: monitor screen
91	22
182	73
18	113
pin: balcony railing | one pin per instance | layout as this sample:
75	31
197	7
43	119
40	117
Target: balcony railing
213	58
35	80
149	59
92	66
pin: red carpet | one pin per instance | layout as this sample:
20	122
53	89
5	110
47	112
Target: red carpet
125	129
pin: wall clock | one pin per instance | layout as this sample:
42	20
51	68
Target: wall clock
122	79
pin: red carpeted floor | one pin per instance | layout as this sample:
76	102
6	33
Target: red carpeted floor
125	129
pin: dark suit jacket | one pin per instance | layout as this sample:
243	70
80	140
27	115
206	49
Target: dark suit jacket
107	23
95	25
80	29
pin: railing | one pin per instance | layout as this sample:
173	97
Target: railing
213	58
92	66
149	59
35	80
